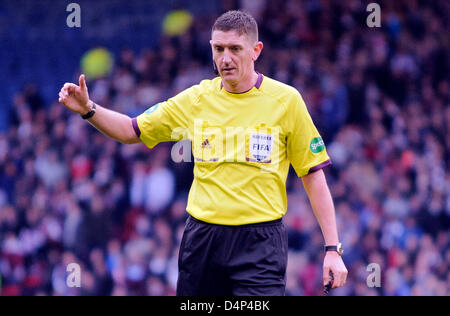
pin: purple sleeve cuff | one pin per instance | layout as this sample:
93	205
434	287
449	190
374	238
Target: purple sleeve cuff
320	166
136	127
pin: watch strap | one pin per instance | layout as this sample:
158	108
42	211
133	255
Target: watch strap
337	248
89	114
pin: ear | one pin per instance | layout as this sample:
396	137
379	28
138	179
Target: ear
257	48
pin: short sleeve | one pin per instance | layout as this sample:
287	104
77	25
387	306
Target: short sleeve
163	121
305	148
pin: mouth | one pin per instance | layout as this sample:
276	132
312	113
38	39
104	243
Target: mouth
228	70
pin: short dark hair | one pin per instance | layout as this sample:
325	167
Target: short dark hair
239	21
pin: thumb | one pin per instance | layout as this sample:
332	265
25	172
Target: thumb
82	82
326	275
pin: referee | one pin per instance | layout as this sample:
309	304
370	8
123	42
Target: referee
245	129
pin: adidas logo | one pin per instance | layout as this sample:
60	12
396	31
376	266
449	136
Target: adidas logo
206	144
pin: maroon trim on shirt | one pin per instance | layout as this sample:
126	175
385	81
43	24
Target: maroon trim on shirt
257	84
259	81
136	127
320	166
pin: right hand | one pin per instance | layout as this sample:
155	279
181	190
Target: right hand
75	98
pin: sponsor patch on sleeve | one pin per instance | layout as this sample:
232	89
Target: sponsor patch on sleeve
317	145
152	109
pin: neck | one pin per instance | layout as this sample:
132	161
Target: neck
241	86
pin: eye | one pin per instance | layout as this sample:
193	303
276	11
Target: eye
218	49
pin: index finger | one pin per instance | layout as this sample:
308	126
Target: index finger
69	87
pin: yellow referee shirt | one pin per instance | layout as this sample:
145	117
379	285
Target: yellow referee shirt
242	145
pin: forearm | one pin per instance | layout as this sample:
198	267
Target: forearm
322	203
114	125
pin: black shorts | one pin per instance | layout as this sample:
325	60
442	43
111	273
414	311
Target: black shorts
246	260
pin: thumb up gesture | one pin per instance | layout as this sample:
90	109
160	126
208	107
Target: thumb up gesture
75	98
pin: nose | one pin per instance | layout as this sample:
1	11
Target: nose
226	57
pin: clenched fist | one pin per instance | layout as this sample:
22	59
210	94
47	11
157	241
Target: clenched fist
75	98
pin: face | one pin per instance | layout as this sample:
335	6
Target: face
234	55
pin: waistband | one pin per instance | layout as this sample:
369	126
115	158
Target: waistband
261	224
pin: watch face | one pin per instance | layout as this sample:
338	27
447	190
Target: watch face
339	249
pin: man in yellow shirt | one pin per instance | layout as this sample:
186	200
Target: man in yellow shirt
245	130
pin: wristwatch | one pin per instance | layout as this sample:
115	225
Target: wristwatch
338	248
90	113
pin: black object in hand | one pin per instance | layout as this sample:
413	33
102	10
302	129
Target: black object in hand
327	288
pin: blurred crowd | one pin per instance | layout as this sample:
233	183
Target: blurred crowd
379	96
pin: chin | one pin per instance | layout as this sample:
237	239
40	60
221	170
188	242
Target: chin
230	79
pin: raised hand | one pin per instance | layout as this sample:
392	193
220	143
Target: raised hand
75	98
